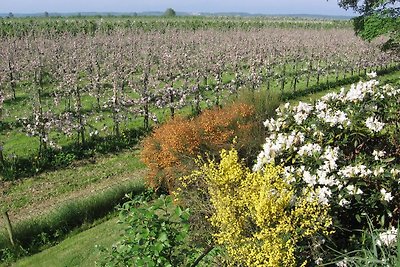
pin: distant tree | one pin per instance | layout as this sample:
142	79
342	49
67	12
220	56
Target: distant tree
170	12
377	18
10	15
46	14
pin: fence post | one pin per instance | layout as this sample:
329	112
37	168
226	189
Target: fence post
1	155
9	227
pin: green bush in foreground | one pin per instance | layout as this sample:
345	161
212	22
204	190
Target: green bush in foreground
379	248
156	235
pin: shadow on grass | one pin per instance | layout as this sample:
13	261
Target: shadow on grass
5	126
332	84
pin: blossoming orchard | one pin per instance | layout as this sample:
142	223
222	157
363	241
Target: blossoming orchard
79	86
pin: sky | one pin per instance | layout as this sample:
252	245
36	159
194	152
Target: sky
322	7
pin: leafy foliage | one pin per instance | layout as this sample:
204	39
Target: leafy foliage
156	235
378	17
170	12
346	147
378	248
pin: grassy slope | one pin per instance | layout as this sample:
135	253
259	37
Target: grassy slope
78	250
27	196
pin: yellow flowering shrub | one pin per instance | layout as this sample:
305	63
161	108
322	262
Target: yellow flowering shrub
259	216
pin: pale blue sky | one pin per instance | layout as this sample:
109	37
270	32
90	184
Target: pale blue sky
322	7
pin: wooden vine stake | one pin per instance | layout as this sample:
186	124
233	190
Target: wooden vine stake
9	227
1	155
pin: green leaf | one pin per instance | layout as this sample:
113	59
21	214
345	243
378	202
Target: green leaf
178	211
157	248
388	160
185	215
358	218
163	237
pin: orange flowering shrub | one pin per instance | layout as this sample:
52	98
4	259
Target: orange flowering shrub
219	126
169	152
162	151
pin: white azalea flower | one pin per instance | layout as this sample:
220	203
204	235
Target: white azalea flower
323	194
378	171
324	179
355	94
378	154
344	202
310	179
321	105
387	238
386	196
394	172
374	125
353	190
309	149
342	263
303	107
372	75
355	171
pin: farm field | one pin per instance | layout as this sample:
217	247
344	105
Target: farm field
93	109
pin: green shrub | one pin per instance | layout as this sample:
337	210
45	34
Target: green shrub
156	235
378	247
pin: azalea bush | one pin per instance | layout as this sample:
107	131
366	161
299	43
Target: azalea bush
345	149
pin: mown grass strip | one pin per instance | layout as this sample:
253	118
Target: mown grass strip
54	187
77	250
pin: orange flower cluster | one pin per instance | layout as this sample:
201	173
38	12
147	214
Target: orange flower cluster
170	151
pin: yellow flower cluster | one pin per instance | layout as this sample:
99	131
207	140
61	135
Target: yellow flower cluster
261	219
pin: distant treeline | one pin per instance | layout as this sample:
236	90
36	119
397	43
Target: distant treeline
91	25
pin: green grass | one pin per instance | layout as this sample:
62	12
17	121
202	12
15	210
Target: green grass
77	250
45	208
50	185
